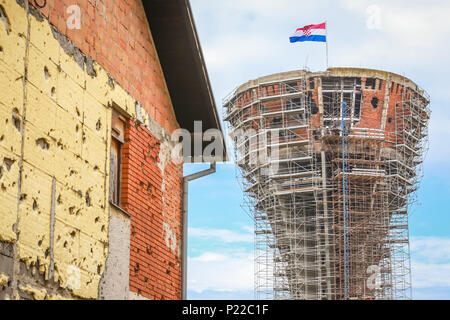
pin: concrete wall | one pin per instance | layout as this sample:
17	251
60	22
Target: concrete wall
57	88
115	283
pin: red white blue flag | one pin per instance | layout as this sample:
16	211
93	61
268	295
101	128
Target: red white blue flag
313	32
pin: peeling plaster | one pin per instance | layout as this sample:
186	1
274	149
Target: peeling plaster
38	294
170	237
4	279
165	154
71	50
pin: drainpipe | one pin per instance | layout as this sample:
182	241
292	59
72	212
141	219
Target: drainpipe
184	258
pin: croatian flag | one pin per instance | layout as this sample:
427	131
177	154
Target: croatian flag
313	32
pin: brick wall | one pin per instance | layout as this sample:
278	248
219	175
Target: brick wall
151	194
115	33
370	116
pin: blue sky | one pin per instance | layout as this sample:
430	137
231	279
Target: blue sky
246	39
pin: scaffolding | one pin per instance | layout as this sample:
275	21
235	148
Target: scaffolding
329	198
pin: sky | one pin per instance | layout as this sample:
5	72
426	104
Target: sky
246	39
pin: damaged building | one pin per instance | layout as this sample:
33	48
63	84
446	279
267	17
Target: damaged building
91	198
330	163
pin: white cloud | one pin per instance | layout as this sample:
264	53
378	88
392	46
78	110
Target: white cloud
230	270
233	271
431	249
429	275
430	262
411	32
223	235
221	273
210	257
245	39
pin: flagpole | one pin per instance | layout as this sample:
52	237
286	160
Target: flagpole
326	35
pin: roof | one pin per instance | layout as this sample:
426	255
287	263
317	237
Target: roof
178	47
330	72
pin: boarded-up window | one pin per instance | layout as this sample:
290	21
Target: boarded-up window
117	140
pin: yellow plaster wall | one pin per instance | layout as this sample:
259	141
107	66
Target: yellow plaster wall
67	112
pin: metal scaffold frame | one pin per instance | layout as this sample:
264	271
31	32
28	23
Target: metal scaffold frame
329	200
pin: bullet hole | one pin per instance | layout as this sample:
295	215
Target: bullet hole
2	137
59	200
73	234
145	279
65	244
35	205
84	137
22	197
149	250
87	197
96	168
53	92
46	73
77	111
110	81
1	49
99	269
72	210
98	126
390	120
375	102
97	219
47	253
136	268
15	119
77	128
7	162
103	228
3	188
42	143
40	243
1	172
168	271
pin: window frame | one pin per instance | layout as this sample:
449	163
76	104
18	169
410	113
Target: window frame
118	128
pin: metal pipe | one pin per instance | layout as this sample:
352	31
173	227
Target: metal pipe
184	258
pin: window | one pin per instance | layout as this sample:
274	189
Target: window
115	171
370	83
358	102
277	123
